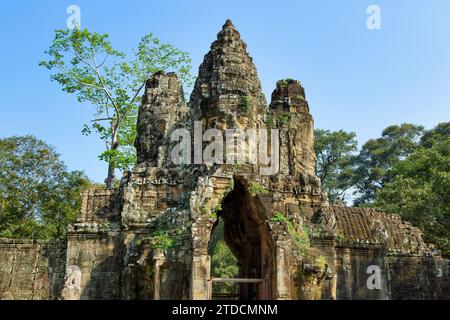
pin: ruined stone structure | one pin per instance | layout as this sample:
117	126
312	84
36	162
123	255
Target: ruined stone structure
148	239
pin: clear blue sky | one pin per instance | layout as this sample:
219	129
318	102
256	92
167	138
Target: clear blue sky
355	79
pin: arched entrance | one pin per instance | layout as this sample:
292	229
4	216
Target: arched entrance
245	233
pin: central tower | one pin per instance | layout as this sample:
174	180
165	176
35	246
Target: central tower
227	93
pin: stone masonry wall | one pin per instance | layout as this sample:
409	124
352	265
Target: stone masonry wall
31	270
418	277
97	257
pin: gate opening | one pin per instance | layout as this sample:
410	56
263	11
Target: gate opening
236	250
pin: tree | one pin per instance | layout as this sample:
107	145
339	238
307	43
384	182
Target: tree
334	151
223	262
85	64
419	190
438	134
378	156
38	196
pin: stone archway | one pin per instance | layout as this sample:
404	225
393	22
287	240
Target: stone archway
248	238
246	234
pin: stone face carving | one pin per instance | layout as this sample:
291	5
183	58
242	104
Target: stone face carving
379	231
227	93
289	112
162	107
326	220
316	185
305	182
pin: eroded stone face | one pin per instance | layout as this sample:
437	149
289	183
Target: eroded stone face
162	107
148	239
227	93
289	111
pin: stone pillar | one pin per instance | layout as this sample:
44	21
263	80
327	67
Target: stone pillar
201	267
158	260
282	275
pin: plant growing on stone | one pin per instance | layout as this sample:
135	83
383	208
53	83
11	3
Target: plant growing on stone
340	237
246	103
269	121
320	261
278	217
256	189
85	64
166	238
214	212
284	118
213	215
300	239
283	82
160	240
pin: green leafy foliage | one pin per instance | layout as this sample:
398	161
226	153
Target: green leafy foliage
334	152
300	239
85	64
223	265
405	171
223	262
255	189
161	240
378	156
165	235
246	103
418	190
284	82
269	121
38	196
284	118
439	134
278	217
167	238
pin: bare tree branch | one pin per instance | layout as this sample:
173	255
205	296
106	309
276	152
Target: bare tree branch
101	119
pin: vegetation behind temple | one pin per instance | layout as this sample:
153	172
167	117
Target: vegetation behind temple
405	171
223	262
39	197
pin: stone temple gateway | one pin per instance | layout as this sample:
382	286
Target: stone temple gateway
148	239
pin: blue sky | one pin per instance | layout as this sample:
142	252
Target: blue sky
355	79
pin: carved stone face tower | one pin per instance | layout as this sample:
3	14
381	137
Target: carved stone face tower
227	93
162	108
149	238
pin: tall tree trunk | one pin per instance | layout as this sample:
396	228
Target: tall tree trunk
111	175
111	164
